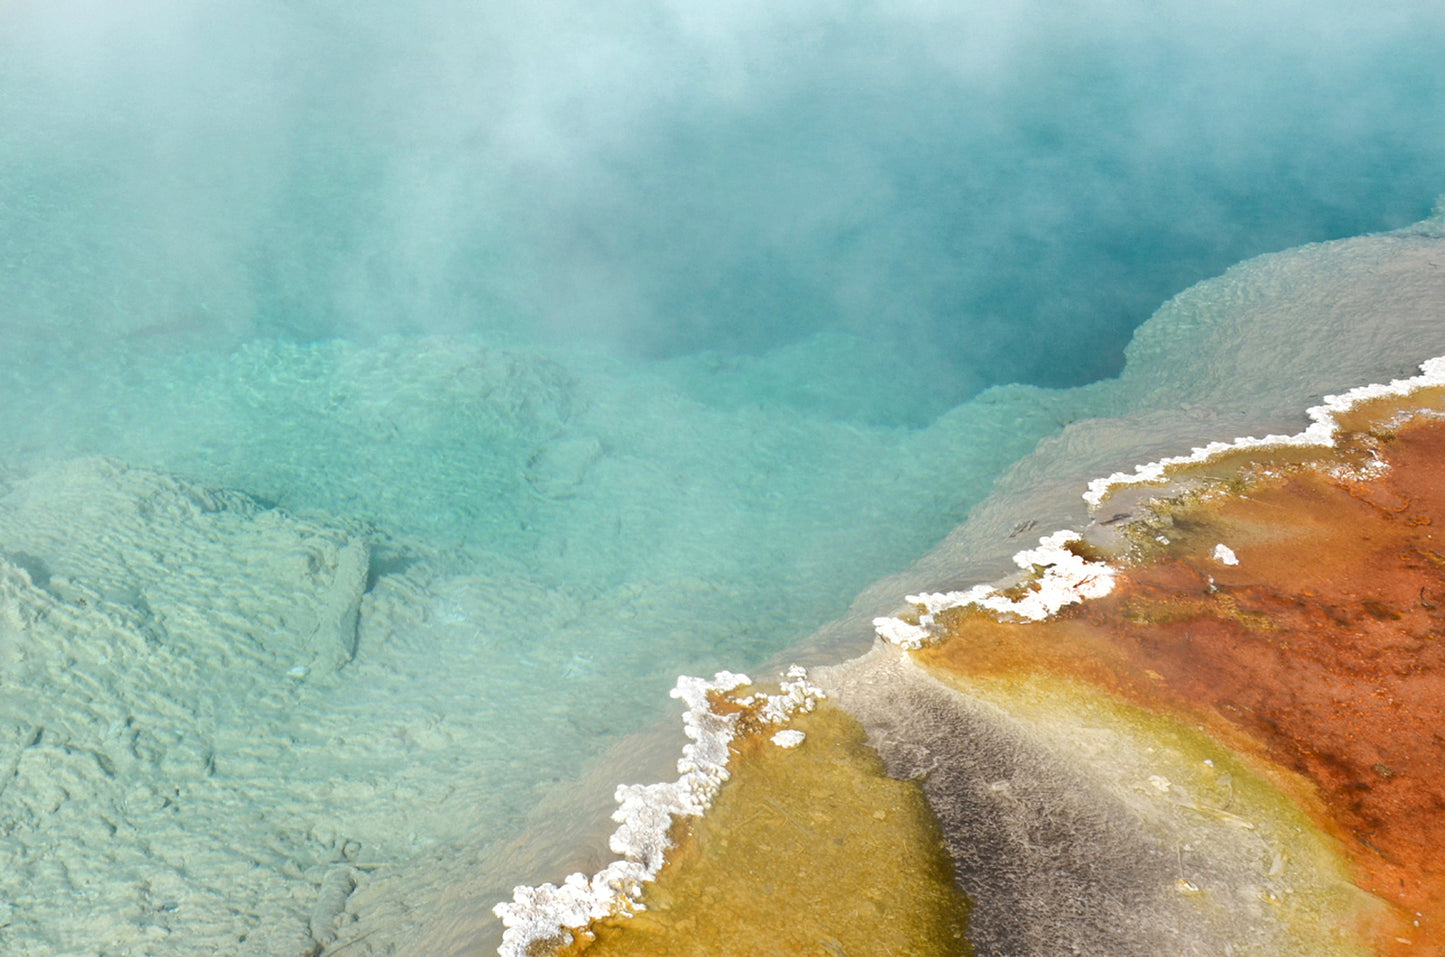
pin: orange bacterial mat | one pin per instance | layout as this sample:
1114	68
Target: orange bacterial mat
1313	642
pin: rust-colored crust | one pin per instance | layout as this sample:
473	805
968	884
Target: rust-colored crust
1321	653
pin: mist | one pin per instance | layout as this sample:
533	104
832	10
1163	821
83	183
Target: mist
978	194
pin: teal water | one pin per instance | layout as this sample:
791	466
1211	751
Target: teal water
633	342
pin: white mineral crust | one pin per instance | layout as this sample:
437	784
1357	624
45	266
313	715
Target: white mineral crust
645	814
1064	579
1320	432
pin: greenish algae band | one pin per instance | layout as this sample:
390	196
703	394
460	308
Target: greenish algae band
811	849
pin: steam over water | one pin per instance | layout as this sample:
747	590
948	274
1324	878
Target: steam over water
628	339
995	194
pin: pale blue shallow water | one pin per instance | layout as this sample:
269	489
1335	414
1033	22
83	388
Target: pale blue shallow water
642	338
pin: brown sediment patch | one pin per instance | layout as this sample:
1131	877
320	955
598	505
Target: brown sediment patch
1320	654
809	850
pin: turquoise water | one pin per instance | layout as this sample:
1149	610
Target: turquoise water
631	342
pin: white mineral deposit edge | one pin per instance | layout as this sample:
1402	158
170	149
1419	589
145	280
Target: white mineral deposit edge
646	813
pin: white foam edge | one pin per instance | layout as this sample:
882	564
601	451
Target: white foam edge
1321	432
645	814
1065	579
1068	579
